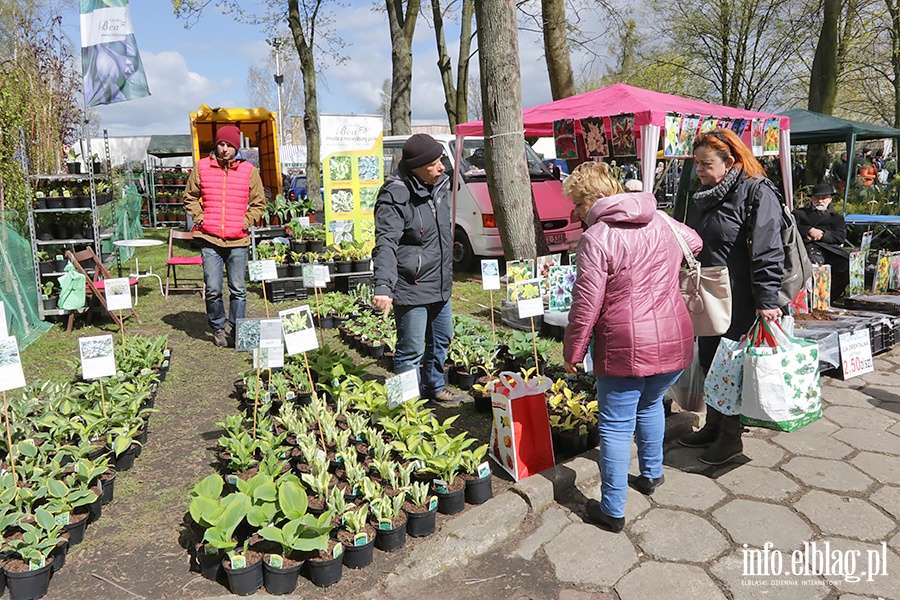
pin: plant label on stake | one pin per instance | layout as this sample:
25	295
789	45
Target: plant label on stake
246	335
270	333
11	374
97	356
269	358
402	388
304	221
490	275
309	276
299	331
528	298
321	277
118	295
238	562
262	270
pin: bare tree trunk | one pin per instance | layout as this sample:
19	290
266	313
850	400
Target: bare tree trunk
310	102
402	29
823	84
556	49
455	98
462	66
501	93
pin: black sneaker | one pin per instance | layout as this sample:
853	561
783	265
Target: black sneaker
220	339
447	399
646	485
596	516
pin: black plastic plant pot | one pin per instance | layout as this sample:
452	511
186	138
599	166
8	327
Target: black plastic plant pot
76	531
479	491
45	266
42	203
282	271
465	381
141	438
391	539
281	581
243	582
95	509
325	572
2	581
302	398
296	270
376	352
70	202
452	503
59	556
73	168
210	564
55	202
343	266
324	322
125	460
109	487
483	404
97	452
30	584
51	303
358	557
60	265
421	524
315	245
360	266
84	201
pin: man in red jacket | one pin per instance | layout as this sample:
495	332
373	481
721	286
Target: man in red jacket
224	196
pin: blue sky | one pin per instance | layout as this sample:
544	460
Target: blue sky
209	62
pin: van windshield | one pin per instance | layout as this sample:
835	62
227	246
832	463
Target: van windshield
473	161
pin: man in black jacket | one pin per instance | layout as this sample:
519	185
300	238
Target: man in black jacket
413	260
824	232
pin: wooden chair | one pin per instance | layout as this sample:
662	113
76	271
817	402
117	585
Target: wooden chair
85	260
178	260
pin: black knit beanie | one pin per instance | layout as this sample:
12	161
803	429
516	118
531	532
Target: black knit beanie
420	149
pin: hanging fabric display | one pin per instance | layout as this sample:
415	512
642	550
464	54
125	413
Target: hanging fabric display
882	274
594	132
821	287
757	127
857	272
688	132
564	138
770	141
673	130
623	135
738	126
708	124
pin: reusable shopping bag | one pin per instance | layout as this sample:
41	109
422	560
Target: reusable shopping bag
520	436
71	286
781	383
687	391
724	380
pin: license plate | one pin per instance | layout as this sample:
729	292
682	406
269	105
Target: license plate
555	238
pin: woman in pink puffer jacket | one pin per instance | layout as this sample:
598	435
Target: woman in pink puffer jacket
626	295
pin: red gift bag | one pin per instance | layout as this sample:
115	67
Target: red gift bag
520	437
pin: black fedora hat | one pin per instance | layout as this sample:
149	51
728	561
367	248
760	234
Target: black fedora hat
822	189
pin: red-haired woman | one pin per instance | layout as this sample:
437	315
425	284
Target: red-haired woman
745	234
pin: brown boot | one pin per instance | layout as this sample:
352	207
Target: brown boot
728	445
707	434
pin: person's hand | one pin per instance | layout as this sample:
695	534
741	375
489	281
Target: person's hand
570	368
383	303
814	234
771	315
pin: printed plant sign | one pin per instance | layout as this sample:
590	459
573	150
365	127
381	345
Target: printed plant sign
725	123
738	126
11	374
594	133
321	276
822	287
708	124
564	139
517	270
757	136
689	124
369	168
882	274
262	270
770	139
490	274
800	303
299	332
402	388
342	230
544	264
623	135
342	201
528	298
367	197
4	330
562	280
673	129
246	336
268	358
894	271
118	294
857	272
866	243
340	168
270	333
309	276
97	356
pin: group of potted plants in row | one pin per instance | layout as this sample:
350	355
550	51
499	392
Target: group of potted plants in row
172	177
70	194
346	257
312	482
282	211
63	446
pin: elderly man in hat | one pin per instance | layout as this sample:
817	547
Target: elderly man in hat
824	232
224	196
413	260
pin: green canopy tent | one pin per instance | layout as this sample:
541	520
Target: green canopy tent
809	127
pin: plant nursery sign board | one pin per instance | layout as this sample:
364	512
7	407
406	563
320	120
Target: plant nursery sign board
856	353
270	333
246	336
402	388
262	270
299	331
11	374
268	358
528	298
97	356
490	274
118	294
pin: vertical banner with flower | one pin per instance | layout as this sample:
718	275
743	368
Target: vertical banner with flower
673	130
564	139
352	173
110	62
623	143
857	273
594	132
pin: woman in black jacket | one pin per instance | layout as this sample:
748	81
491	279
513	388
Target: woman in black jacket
743	233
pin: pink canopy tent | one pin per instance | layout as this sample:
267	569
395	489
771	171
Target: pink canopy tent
649	110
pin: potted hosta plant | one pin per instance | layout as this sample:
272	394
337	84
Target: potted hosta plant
72	165
476	472
390	521
421	509
50	295
324	563
358	538
28	570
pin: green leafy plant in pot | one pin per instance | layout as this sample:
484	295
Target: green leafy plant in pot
421	509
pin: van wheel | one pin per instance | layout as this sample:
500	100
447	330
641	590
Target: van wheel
462	251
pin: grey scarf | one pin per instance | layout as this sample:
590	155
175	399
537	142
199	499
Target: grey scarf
707	197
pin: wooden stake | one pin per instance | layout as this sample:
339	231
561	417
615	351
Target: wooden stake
315	399
12	461
122	327
537	368
493	329
102	397
319	314
265	299
256	396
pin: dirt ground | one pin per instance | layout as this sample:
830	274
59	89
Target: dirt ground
137	548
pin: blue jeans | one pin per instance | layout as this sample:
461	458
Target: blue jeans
629	406
215	260
423	336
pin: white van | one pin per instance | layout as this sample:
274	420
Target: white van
476	230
